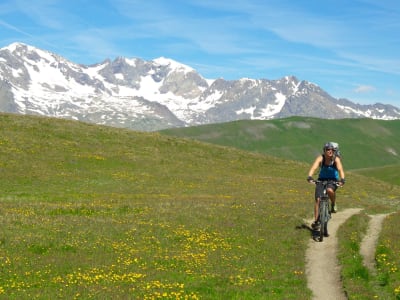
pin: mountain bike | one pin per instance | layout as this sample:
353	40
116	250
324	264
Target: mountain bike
324	213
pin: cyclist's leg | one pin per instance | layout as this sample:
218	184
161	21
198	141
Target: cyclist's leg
316	209
318	192
332	195
331	190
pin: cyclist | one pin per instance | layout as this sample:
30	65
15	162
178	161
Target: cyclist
331	168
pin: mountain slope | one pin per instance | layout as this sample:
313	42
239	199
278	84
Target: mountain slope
157	94
364	143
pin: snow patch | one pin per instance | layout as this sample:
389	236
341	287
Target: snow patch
162	61
17	72
273	109
392	151
207	103
131	62
249	111
268	111
119	76
367	113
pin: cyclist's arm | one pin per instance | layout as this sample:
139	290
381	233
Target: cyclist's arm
339	167
315	166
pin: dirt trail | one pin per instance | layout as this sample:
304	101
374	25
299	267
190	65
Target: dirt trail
322	268
324	280
368	245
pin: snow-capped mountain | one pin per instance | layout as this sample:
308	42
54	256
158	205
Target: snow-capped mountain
157	94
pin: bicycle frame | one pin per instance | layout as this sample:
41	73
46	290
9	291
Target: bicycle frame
324	214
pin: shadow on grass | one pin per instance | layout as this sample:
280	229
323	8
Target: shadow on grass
313	232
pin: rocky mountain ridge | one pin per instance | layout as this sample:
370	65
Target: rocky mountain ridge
157	94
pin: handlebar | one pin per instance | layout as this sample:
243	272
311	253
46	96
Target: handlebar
337	183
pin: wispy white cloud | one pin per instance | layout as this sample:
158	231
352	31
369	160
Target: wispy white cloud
390	65
347	35
364	89
41	12
160	20
330	42
14	28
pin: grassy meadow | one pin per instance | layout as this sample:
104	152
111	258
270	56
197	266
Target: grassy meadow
358	281
94	212
369	147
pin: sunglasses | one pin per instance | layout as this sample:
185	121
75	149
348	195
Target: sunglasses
329	149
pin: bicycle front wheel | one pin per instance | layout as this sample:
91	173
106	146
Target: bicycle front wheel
323	218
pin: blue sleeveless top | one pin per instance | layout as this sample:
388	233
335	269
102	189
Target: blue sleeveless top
328	172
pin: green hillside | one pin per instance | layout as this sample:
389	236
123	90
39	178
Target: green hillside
365	143
93	212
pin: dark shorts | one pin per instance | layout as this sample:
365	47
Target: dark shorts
319	189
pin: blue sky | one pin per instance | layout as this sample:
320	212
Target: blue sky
350	48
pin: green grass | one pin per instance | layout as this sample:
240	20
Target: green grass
95	212
359	282
357	279
388	257
388	173
365	143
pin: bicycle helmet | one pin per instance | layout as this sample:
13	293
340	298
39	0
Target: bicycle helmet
328	145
